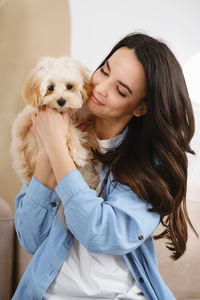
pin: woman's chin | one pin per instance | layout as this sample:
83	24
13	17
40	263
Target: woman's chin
92	107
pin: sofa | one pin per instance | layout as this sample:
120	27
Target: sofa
182	276
13	259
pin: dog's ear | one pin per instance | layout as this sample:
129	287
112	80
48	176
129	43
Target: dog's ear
31	90
86	89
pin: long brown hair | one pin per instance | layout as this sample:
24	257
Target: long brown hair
152	159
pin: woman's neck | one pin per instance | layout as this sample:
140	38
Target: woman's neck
106	130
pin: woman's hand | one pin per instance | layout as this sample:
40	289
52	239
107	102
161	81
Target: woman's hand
51	128
34	132
43	171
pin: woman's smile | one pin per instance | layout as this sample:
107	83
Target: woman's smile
95	100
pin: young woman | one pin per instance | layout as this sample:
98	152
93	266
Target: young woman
144	123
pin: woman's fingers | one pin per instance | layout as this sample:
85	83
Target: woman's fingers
66	117
42	108
33	117
34	131
49	125
66	120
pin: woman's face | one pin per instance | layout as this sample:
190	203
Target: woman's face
118	88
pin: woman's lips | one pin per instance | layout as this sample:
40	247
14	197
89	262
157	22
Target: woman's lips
95	100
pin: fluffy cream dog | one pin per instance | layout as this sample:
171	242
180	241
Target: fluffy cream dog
62	84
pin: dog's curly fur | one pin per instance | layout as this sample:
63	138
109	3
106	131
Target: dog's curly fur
63	84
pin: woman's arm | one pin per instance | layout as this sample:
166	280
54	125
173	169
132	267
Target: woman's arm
43	170
37	203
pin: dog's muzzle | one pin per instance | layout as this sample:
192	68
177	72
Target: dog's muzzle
61	102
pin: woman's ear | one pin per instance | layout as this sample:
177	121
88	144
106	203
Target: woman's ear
141	110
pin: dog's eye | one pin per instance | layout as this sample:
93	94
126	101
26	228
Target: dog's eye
69	86
51	88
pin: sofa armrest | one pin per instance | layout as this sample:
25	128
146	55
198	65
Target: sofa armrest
6	250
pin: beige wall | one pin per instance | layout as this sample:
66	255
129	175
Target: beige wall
29	29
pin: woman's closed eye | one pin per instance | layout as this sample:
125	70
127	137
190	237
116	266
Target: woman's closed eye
121	93
102	70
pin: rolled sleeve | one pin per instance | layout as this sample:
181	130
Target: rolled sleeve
115	226
71	184
40	194
36	206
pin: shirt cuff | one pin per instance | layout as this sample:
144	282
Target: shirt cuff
40	194
69	185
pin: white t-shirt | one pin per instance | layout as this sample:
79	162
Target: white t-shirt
87	276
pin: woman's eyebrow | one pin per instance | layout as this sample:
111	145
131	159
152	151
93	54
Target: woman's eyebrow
119	81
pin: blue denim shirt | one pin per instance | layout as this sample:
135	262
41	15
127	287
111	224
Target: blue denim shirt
119	223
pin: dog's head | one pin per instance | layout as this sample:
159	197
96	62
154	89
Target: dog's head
61	83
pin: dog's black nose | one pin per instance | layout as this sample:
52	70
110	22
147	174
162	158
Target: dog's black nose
61	102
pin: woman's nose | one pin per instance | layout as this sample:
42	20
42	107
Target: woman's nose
102	88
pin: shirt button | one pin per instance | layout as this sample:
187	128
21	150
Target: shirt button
140	237
141	279
53	204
